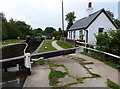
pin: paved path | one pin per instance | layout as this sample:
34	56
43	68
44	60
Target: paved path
98	67
39	77
56	46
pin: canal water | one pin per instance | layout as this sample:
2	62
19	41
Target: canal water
13	78
18	50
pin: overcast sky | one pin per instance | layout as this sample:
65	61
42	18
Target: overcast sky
44	13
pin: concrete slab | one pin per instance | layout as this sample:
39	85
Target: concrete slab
91	83
39	77
101	68
74	68
59	69
66	80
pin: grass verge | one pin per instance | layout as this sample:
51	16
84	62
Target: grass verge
47	46
63	45
110	63
4	42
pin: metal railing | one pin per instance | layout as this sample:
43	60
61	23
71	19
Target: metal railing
27	58
84	47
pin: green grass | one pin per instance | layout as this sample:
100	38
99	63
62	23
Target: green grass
48	44
112	85
4	42
54	76
63	45
94	75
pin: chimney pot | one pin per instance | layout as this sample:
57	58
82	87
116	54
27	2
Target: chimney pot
89	9
89	5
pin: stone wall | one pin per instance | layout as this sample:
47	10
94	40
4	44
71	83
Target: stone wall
69	41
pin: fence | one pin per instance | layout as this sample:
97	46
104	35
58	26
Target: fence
108	58
20	60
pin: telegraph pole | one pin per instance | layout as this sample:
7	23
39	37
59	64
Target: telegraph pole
62	18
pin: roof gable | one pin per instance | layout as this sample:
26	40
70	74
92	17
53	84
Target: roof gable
85	22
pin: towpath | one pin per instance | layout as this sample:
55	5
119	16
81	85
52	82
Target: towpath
98	67
40	73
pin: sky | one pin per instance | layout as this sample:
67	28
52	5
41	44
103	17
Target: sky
47	13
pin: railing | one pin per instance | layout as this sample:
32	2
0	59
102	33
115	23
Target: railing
102	52
20	60
28	58
94	46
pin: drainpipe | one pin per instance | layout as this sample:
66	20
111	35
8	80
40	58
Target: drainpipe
86	36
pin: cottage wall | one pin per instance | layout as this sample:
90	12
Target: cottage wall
100	22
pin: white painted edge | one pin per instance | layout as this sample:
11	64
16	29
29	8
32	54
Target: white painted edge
36	51
102	52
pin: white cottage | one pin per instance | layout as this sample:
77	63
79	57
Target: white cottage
94	23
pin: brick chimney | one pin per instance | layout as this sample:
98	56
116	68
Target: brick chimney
89	9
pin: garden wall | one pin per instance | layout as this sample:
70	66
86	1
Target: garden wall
69	41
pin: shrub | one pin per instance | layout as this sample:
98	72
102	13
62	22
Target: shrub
109	42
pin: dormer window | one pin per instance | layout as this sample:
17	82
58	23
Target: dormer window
100	30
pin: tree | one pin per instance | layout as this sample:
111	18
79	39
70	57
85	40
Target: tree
117	22
4	26
54	34
60	31
111	14
70	18
49	30
38	31
24	28
13	29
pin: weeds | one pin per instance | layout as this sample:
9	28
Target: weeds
112	84
55	75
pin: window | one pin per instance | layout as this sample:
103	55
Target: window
69	34
100	30
74	34
81	32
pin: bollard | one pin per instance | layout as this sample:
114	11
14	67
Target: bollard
27	63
